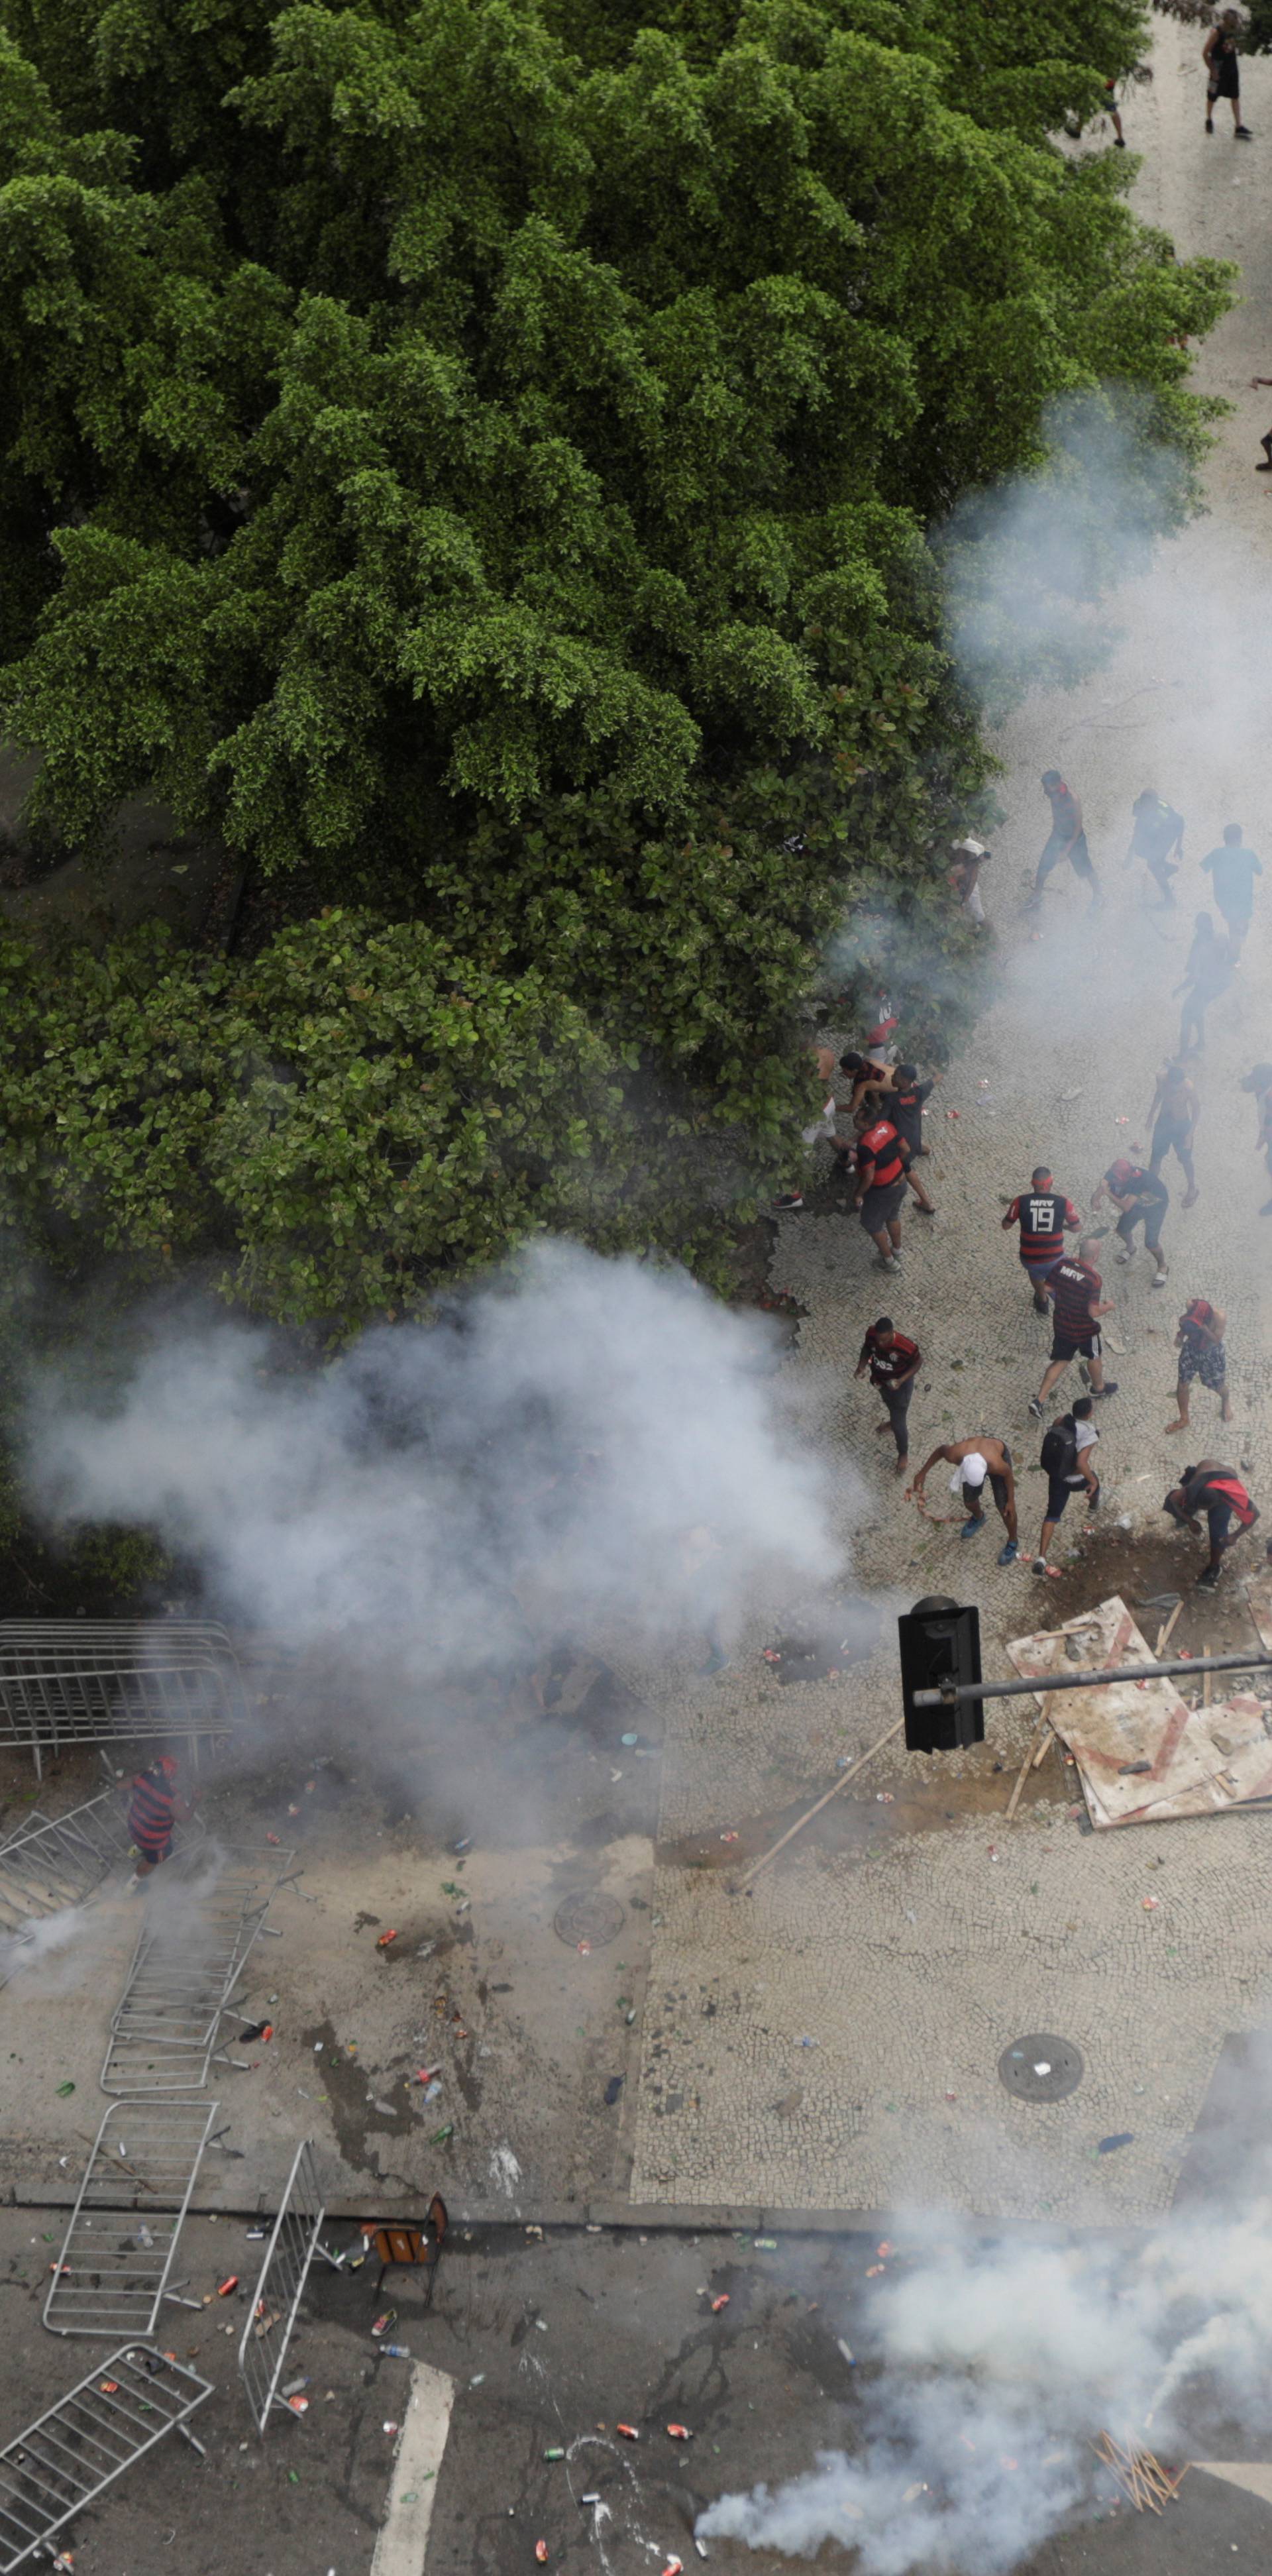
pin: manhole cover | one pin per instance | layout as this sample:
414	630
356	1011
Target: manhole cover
1040	2067
589	1917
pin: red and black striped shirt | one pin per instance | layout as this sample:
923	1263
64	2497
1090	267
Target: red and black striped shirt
887	1366
882	1156
153	1811
1075	1289
1042	1216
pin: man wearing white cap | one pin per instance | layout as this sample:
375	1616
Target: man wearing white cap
973	1461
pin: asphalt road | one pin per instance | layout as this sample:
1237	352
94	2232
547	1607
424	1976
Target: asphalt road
550	2345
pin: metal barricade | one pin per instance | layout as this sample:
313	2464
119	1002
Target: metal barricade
70	2455
189	1957
53	1862
114	2267
88	1681
284	2272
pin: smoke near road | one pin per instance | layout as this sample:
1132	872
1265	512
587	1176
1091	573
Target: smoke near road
581	1443
1001	2367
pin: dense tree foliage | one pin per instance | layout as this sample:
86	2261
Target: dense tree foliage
478	457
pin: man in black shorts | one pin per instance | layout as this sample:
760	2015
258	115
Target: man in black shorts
1217	1491
1066	839
1221	56
1173	1119
904	1105
1068	1460
1158	832
883	1162
1137	1194
894	1363
1074	1290
1232	870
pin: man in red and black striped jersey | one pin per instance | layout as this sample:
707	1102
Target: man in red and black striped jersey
1217	1491
1044	1216
883	1162
1073	1287
154	1809
894	1363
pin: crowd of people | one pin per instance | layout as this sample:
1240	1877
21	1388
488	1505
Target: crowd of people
885	1103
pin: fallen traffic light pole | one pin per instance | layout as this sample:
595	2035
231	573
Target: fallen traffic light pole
956	1694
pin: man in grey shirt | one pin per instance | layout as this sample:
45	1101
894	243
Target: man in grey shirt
1233	870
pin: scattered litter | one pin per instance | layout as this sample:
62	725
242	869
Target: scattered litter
390	2427
673	2567
541	2552
680	2433
396	2351
1141	2477
629	1739
384	1940
883	2249
613	2089
476	2380
1150	1903
721	2302
628	2432
884	1798
873	2270
1123	2138
276	1840
847	2351
556	2452
464	1844
63	2090
764	2244
728	1838
298	2405
440	2136
294	2387
224	2288
382	2324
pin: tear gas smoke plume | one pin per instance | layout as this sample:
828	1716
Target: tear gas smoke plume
1001	2366
33	1947
584	1442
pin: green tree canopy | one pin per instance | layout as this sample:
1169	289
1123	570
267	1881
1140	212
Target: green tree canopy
479	456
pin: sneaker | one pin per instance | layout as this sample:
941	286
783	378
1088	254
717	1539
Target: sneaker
1265	467
1109	1387
789	1201
1206	1581
1244	134
1007	1555
970	1528
1210	125
1040	1565
1035	1408
1120	140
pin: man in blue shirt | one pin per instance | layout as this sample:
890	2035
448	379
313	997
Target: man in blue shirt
1234	869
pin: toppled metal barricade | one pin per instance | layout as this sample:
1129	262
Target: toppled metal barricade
191	1950
293	2244
115	2265
72	2453
85	1681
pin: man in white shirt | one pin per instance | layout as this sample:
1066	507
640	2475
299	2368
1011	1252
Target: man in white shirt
1073	1437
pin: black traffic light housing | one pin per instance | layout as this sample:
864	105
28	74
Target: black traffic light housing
940	1642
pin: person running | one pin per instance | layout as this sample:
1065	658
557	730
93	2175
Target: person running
1111	111
1066	840
1074	1290
1156	832
883	1164
1232	870
905	1109
1207	975
1136	1193
973	1461
1044	1216
155	1809
1259	1081
1068	1461
1223	72
1217	1491
1266	441
1199	1342
1173	1120
894	1363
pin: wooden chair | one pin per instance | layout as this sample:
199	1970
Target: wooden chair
416	2245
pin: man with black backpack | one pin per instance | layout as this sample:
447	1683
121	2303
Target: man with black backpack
1068	1462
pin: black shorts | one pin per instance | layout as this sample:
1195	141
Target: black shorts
1225	79
1055	851
1059	1492
1152	1217
1063	1349
879	1206
1168	1133
1218	1516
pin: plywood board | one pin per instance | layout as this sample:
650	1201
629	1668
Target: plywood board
1203	1761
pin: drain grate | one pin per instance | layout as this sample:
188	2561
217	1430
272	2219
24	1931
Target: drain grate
589	1916
1041	2067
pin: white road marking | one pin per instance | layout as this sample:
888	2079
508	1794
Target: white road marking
1254	2475
402	2546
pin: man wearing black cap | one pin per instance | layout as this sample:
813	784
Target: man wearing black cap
1066	840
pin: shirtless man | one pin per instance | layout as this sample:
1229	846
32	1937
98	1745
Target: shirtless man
1173	1120
983	1457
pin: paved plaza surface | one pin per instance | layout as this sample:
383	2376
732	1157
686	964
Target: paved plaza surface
912	1969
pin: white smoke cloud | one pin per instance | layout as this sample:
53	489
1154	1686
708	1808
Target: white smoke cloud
581	1443
1001	2366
